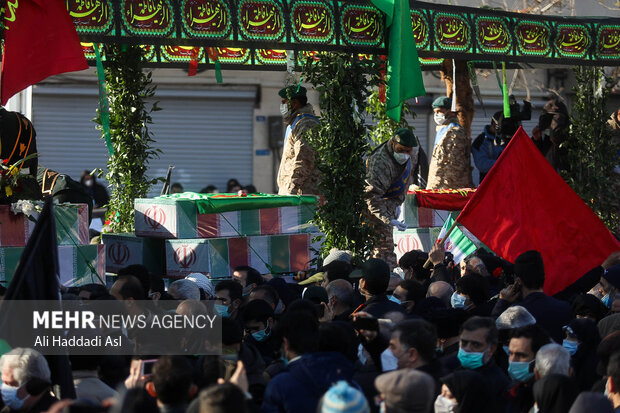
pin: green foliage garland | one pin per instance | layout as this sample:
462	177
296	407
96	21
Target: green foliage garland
344	83
591	152
128	90
385	126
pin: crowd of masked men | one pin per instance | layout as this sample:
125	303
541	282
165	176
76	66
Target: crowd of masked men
481	336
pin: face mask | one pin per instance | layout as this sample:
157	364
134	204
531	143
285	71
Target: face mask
444	405
9	396
571	346
458	300
284	359
607	300
247	290
221	310
519	370
506	350
389	361
89	182
401	158
394	299
262	334
279	308
284	110
470	360
440	118
536	409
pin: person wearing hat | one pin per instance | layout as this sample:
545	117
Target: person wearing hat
450	166
406	391
486	148
389	172
551	132
297	174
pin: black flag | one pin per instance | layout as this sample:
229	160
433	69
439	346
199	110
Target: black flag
36	278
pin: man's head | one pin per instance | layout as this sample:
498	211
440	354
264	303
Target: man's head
478	342
258	319
375	277
340	295
18	367
442	108
299	331
176	188
413	343
441	290
552	359
293	98
529	268
171	381
223	398
525	343
473	288
403	144
407	390
408	293
514	317
141	273
412	264
204	284
184	289
267	293
613	379
248	277
128	289
336	270
228	295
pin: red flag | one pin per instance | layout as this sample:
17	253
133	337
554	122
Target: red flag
523	204
39	41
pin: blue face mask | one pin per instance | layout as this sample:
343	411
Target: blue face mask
394	299
470	360
607	300
262	334
9	396
458	300
520	370
221	310
571	346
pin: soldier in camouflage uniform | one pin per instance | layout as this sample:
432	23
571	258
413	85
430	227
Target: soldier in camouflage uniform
297	174
390	170
450	164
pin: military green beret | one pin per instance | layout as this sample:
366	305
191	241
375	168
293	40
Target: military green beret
405	137
292	92
442	102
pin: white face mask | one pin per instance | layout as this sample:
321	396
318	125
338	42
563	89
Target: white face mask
440	118
284	110
401	158
444	405
9	396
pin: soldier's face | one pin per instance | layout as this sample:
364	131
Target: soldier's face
398	148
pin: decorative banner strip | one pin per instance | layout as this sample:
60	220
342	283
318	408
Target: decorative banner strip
104	108
443	199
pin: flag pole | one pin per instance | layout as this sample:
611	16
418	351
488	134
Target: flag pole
441	243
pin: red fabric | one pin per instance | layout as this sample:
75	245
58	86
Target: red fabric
443	199
41	41
193	63
523	204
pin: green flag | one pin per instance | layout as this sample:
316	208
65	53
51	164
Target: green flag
404	75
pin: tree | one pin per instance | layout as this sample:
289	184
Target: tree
591	152
344	84
128	88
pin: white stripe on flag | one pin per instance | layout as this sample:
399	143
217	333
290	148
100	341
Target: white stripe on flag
457	243
289	220
259	251
226	219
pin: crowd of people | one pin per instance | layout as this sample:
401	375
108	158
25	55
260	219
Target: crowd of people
478	337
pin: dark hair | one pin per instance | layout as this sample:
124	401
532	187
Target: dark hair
231	332
257	310
529	267
303	100
234	289
250	189
172	379
337	270
96	290
301	329
613	369
538	337
131	287
252	277
223	398
177	185
419	334
141	273
270	294
232	182
415	260
85	362
2	290
137	399
156	283
301	305
339	337
415	291
475	287
476	323
376	272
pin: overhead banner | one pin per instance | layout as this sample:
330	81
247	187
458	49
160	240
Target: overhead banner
257	33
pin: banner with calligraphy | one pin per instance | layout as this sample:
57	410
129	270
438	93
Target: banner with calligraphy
257	32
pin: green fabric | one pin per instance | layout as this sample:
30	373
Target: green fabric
505	92
104	109
214	203
404	75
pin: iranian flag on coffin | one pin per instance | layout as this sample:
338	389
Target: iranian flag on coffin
217	257
127	249
77	265
457	242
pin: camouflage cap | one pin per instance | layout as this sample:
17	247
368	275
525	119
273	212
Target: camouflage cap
442	102
405	137
292	92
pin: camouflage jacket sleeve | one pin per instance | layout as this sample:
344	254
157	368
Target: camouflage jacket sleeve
378	180
303	168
